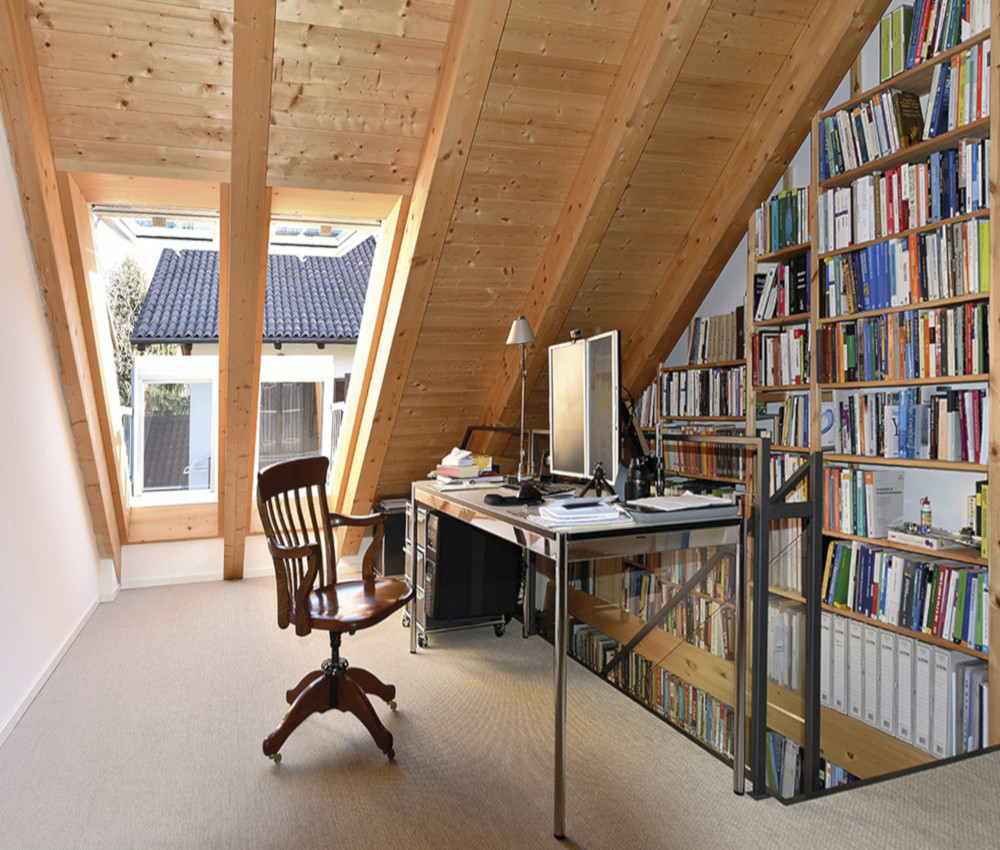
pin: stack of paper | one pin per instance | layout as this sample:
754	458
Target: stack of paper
582	512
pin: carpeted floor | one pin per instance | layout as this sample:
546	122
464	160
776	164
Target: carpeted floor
148	734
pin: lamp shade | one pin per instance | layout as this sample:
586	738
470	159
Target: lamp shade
520	332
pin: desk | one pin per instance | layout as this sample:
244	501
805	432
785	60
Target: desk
523	526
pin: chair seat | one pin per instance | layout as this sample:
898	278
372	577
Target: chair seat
350	605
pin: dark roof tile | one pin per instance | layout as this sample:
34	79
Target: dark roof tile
315	299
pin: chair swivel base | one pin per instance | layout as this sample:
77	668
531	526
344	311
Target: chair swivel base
335	686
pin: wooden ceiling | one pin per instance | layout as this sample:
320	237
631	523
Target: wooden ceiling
588	164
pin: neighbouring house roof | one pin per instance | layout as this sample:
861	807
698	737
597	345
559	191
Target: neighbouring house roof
313	299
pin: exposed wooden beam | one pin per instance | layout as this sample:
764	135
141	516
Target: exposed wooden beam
31	151
147	191
823	52
470	53
372	323
662	38
80	236
253	49
224	243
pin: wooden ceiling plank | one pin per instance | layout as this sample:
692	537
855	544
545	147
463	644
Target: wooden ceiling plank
829	41
253	48
656	52
34	167
469	56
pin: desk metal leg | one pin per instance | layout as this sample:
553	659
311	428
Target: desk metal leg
559	665
412	604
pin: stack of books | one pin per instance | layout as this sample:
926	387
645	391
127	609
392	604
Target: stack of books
460	465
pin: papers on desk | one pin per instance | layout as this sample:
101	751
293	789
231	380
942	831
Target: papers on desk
686	506
574	513
443	482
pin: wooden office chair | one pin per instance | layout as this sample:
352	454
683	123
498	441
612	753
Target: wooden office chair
291	498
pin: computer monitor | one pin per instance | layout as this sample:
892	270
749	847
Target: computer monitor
584	393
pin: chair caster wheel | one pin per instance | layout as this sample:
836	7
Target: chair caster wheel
406	619
422	640
499	629
392	705
275	757
392	755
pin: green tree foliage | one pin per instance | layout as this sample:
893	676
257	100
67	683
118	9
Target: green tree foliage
125	286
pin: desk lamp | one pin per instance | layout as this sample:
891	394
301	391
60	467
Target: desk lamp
520	334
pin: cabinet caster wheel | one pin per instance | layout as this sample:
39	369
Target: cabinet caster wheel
392	705
499	629
422	640
406	619
392	755
275	757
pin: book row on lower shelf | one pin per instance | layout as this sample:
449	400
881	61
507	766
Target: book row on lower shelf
789	424
930	596
948	262
704	717
785	768
947	423
928	696
781	357
704	459
782	290
711	391
925	343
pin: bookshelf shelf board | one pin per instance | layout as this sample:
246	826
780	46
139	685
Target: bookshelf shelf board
857	747
778	321
787	594
921	463
699	594
975	130
784	253
722	364
704	476
905	382
962	554
902	630
983	212
917	79
702	419
786	388
701	668
791	449
920	305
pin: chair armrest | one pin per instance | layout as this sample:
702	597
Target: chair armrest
377	520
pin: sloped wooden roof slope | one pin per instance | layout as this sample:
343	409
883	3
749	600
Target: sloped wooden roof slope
589	164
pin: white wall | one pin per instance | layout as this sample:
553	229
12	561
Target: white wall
49	568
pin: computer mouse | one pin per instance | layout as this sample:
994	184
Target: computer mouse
493	499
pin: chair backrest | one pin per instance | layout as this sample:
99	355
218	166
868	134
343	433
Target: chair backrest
292	501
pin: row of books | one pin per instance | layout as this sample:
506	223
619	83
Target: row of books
891	423
950	261
862	502
783	775
940	598
782	290
928	343
645	407
716	339
781	357
852	138
931	697
698	713
680	702
894	41
788	555
782	221
713	460
789	425
960	91
947	184
939	25
677	566
712	391
781	467
786	642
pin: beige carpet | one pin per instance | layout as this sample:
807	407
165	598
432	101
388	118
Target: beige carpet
148	735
